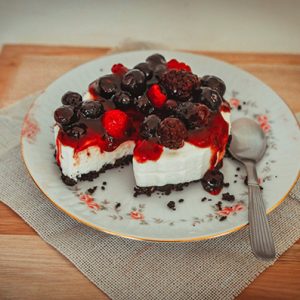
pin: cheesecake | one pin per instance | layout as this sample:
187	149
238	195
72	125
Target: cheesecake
171	124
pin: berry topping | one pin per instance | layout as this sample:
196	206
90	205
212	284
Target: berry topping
119	69
71	98
91	109
134	82
170	107
77	131
145	68
194	115
144	105
174	64
156	95
172	133
210	98
149	127
212	181
179	84
214	83
156	59
115	123
122	100
107	86
65	115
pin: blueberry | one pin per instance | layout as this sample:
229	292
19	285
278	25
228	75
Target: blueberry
144	105
210	98
145	68
71	98
149	126
107	86
212	181
91	109
65	115
134	82
170	107
122	100
156	59
214	83
77	131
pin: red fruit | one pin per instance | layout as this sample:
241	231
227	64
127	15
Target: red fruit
175	64
119	69
156	96
115	123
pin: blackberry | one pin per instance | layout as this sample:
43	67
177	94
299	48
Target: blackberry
194	115
210	98
149	126
65	115
214	83
179	84
172	133
92	109
72	99
144	105
134	82
122	100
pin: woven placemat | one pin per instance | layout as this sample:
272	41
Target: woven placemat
125	269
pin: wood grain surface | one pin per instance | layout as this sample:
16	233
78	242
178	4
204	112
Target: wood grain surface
30	268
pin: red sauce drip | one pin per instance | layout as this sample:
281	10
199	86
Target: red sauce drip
147	150
214	135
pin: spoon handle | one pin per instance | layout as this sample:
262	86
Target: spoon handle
260	234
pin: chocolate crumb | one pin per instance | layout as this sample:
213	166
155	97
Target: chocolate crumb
235	181
227	184
219	205
209	199
171	205
236	175
102	188
223	218
275	176
180	200
117	205
228	197
92	190
244	102
203	199
239	107
238	168
104	183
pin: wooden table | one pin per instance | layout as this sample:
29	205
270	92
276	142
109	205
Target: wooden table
30	268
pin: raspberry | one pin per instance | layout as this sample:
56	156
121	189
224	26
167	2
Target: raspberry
119	69
156	96
115	123
179	84
175	64
172	133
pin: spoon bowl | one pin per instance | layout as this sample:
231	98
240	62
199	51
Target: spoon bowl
248	140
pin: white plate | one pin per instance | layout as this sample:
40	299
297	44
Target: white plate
150	218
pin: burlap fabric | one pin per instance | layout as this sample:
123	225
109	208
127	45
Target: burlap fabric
125	269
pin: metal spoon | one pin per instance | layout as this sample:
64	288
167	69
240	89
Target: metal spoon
248	146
